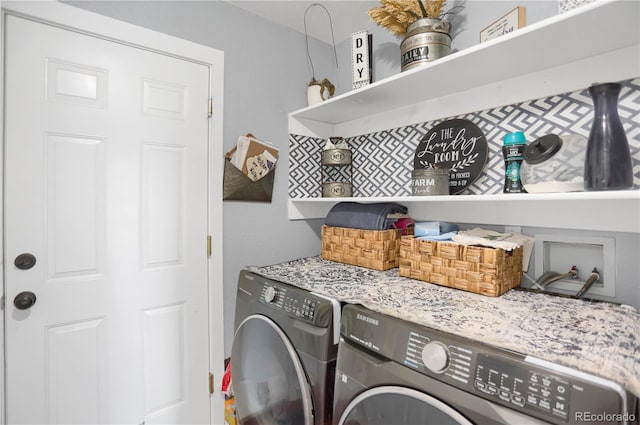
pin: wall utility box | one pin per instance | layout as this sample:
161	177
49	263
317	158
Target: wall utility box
559	252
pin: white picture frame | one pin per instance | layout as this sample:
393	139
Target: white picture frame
508	23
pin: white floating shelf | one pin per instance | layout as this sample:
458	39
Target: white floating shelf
588	31
610	211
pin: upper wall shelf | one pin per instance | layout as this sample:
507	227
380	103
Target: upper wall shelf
596	42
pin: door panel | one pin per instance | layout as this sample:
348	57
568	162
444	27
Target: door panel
164	351
73	397
75	175
106	185
162	205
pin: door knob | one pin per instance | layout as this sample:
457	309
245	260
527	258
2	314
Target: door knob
24	300
25	261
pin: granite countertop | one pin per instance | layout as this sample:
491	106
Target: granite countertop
596	337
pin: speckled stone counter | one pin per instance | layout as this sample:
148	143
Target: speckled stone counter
599	338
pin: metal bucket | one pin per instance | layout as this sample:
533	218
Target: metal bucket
336	190
427	40
430	181
336	157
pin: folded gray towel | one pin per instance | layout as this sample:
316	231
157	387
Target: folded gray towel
363	216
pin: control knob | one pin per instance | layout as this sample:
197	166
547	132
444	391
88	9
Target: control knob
270	294
435	356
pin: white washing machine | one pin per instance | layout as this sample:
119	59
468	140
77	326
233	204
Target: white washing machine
390	371
284	353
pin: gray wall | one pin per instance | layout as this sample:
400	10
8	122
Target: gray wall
266	75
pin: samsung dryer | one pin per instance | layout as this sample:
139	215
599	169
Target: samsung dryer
284	353
390	371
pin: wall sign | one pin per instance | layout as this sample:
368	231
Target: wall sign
508	23
361	74
458	145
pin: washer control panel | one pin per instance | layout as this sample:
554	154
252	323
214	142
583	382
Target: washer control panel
295	303
542	391
552	393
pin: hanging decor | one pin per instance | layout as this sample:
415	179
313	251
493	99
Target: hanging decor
361	69
318	90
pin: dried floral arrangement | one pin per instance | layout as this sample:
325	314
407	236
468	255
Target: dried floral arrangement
397	15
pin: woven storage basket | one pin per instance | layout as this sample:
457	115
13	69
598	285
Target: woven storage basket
373	249
485	271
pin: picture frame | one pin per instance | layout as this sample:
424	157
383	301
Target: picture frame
508	23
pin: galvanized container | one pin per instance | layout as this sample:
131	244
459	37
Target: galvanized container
336	190
430	181
336	157
427	39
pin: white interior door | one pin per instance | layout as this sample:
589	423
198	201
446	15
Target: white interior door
106	187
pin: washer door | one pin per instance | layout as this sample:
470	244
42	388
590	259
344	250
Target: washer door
399	406
268	379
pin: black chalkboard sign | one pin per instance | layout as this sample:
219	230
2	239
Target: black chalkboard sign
458	145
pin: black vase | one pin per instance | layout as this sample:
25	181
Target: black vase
607	163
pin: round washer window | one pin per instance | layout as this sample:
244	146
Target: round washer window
399	406
268	380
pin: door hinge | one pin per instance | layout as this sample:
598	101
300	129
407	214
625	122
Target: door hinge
210	110
208	246
211	386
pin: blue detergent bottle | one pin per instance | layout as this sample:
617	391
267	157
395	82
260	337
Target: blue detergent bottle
514	144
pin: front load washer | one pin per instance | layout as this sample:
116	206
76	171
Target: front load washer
284	353
390	371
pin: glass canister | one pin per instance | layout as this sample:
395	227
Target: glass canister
554	163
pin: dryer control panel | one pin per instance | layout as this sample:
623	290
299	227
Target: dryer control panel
296	303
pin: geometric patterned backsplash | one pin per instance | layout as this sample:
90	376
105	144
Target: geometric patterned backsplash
383	161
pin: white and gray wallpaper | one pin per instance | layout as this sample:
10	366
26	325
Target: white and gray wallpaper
383	161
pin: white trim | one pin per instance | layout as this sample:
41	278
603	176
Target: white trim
75	19
4	302
101	26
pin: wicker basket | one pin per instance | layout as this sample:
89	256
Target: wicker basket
485	271
373	249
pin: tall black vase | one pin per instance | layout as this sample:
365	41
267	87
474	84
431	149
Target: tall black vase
607	163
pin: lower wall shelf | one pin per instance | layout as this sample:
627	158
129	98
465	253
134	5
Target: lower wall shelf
610	211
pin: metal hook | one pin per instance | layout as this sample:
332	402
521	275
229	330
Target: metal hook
306	38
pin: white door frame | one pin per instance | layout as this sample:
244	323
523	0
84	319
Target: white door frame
82	21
